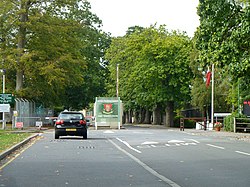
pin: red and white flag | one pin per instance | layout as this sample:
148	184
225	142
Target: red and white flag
208	78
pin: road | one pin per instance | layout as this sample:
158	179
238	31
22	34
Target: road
133	156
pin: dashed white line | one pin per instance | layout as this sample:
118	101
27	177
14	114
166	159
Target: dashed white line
129	146
215	146
244	153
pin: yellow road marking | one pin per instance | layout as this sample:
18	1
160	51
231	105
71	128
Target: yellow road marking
12	159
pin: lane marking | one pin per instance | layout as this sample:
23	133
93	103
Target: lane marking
18	154
215	146
147	143
193	140
176	141
108	132
244	153
146	167
129	146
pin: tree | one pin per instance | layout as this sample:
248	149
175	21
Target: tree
222	38
154	69
52	46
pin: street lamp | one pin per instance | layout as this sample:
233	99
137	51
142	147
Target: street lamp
117	80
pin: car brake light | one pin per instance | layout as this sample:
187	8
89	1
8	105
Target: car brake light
59	122
82	122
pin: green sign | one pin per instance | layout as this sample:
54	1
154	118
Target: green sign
108	112
107	109
7	98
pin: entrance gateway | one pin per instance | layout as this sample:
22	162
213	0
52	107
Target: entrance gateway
108	112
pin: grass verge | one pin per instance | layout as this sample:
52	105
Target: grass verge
9	138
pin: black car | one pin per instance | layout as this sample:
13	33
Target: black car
70	123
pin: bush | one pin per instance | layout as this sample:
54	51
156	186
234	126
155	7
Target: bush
187	123
229	121
177	121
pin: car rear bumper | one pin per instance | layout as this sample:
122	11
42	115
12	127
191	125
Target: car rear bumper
70	131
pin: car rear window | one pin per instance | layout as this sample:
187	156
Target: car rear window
72	116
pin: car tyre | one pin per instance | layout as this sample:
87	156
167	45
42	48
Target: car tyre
56	135
85	136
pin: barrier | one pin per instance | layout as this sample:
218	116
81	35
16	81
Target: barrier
241	124
200	120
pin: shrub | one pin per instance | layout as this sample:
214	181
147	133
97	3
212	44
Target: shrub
229	121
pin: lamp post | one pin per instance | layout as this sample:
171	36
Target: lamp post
117	80
3	71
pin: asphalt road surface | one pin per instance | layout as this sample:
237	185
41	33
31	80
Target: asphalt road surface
133	156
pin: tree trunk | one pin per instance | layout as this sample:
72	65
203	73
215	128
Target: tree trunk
21	43
142	115
136	119
170	114
19	80
127	117
147	119
130	116
157	115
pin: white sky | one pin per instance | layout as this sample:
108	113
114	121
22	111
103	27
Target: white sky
118	15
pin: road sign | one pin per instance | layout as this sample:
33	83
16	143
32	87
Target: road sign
4	108
6	98
19	124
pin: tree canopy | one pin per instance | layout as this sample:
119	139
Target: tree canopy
51	50
223	39
153	67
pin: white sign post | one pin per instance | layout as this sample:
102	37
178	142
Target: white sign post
4	108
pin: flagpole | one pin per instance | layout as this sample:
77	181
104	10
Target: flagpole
212	98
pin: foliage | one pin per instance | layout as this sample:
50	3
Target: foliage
218	125
222	39
201	94
153	67
50	47
229	121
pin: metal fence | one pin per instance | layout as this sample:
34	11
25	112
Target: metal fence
29	112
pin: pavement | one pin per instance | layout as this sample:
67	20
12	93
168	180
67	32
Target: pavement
36	132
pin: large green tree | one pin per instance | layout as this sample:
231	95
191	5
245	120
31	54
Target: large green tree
153	69
52	50
223	39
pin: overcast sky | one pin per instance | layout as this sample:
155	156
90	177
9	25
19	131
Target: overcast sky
118	15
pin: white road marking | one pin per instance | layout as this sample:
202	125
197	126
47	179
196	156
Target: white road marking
147	143
108	132
146	167
215	146
176	141
193	140
244	153
127	144
191	143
